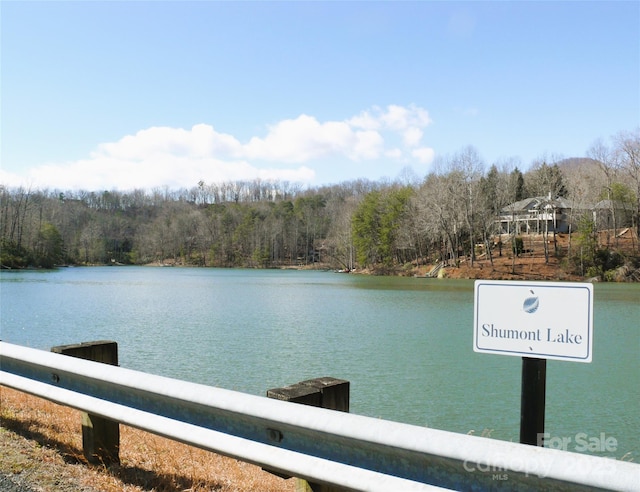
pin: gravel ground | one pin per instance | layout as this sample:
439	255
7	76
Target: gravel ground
26	466
11	483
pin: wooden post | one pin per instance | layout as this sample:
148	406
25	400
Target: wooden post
326	392
532	401
334	393
100	436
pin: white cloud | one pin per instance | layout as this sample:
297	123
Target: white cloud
177	157
367	145
173	171
365	120
394	117
201	141
401	118
412	136
13	180
424	155
305	138
301	140
395	154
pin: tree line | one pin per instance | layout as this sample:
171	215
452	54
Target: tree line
361	223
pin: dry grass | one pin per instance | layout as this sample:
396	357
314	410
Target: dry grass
42	441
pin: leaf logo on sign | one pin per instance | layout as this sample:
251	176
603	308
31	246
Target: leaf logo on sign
531	304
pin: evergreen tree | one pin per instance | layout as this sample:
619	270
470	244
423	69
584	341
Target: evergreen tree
517	185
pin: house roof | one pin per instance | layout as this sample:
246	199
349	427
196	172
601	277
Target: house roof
537	203
606	204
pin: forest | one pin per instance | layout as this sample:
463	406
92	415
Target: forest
392	225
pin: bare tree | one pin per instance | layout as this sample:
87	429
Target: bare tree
628	151
608	163
339	242
440	220
466	169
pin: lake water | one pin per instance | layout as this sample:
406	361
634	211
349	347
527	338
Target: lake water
405	344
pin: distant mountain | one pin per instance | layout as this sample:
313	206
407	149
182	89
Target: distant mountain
577	162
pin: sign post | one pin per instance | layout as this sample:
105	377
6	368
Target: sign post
536	321
532	400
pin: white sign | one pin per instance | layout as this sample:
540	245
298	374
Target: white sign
543	320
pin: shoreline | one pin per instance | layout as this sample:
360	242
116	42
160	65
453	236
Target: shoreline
527	269
532	264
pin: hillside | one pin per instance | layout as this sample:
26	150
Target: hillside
532	265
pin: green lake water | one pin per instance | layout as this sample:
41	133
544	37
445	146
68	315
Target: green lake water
405	344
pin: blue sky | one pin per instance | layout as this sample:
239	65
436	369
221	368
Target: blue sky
121	95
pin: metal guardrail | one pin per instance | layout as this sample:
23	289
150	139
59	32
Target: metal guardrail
323	446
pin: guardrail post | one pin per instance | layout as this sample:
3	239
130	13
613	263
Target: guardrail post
100	436
326	392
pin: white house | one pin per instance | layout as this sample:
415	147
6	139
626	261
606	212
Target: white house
536	215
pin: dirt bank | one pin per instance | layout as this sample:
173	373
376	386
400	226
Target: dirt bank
533	264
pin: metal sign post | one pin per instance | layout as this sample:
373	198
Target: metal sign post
536	321
532	400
